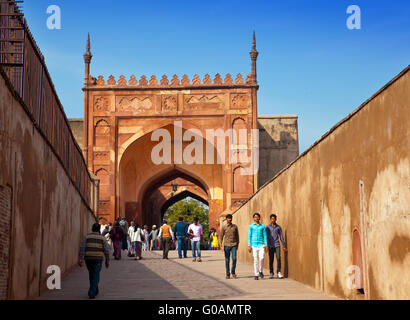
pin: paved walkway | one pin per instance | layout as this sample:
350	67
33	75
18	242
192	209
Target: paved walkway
155	278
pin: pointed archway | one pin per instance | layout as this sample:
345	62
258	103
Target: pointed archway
144	186
168	188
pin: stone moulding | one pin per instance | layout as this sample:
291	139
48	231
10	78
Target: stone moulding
207	81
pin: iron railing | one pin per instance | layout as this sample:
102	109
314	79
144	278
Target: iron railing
24	65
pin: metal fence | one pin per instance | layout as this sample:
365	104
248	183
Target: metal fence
24	65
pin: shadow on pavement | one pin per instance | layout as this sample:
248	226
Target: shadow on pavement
151	278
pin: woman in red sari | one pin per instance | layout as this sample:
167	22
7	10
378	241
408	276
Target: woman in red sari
116	235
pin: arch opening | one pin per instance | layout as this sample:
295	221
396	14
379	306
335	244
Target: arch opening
145	186
181	196
188	208
167	189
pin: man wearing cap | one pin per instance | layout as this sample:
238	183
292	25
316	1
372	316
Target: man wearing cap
153	235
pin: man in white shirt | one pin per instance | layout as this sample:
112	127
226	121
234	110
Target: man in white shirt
131	251
195	231
136	241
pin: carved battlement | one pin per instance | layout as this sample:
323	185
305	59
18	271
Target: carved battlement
153	82
174	82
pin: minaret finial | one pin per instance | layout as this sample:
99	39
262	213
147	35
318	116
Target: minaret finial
87	60
88	43
254	56
254	41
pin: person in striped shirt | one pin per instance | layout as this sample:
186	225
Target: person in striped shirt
92	250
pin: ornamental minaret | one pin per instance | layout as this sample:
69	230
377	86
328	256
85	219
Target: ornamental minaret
254	56
87	60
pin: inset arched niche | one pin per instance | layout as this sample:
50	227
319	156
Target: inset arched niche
104	177
102	132
357	259
238	125
240	181
240	140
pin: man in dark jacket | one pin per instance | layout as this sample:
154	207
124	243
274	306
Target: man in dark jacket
181	234
274	233
230	237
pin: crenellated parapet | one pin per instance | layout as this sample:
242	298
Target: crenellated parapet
174	81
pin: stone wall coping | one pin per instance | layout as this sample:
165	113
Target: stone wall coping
285	116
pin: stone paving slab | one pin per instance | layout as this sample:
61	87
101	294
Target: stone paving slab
154	278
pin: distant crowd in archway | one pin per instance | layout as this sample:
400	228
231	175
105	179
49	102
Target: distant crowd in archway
134	239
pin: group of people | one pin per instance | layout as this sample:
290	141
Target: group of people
182	233
261	239
131	238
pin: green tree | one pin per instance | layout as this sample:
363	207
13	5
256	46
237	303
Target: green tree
196	209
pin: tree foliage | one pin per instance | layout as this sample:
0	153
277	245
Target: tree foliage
196	209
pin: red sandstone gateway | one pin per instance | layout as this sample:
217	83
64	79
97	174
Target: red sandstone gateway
120	118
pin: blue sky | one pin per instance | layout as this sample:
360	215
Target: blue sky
310	64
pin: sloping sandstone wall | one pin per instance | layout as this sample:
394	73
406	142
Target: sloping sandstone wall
44	216
346	201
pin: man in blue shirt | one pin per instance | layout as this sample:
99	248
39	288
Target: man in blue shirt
257	244
274	232
181	234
